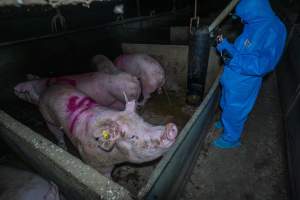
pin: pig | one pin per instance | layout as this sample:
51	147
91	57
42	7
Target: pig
104	137
17	184
105	89
102	64
146	69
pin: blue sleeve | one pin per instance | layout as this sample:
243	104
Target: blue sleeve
252	64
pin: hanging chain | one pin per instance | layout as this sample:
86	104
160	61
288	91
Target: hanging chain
194	21
58	20
195	10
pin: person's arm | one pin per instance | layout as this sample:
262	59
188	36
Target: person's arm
224	45
254	63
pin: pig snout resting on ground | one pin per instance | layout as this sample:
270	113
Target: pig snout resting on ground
105	89
103	137
16	184
101	63
146	68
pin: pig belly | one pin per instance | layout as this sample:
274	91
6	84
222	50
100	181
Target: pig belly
95	85
102	88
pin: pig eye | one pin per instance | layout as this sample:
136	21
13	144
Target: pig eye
132	137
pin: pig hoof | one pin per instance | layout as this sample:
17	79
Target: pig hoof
26	92
140	104
25	96
63	146
31	77
159	91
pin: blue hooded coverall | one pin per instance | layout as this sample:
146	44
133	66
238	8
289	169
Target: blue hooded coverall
254	53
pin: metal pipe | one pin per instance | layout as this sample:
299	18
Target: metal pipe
174	5
222	15
195	8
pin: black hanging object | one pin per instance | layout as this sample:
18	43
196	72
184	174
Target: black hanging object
199	45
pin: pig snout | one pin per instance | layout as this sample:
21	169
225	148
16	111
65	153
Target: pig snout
169	134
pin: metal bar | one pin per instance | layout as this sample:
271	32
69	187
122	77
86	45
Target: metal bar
195	9
53	3
222	15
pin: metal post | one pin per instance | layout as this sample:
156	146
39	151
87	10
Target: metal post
222	15
174	5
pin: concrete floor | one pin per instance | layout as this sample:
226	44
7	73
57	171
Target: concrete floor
255	171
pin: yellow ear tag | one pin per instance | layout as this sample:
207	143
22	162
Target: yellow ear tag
106	134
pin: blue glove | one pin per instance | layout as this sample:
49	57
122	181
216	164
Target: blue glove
224	45
226	56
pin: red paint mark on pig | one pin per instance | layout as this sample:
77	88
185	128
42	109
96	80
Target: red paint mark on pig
76	106
72	105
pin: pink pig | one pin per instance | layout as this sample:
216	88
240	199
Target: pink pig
17	184
103	64
147	69
105	89
103	137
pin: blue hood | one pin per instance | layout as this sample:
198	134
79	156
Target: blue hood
254	10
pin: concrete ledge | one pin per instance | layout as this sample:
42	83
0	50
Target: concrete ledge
75	179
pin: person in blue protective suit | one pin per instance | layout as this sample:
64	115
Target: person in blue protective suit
253	54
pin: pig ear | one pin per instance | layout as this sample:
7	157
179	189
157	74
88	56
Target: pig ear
130	105
107	135
125	97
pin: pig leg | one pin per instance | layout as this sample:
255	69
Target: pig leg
145	99
30	91
59	135
31	77
160	90
107	171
